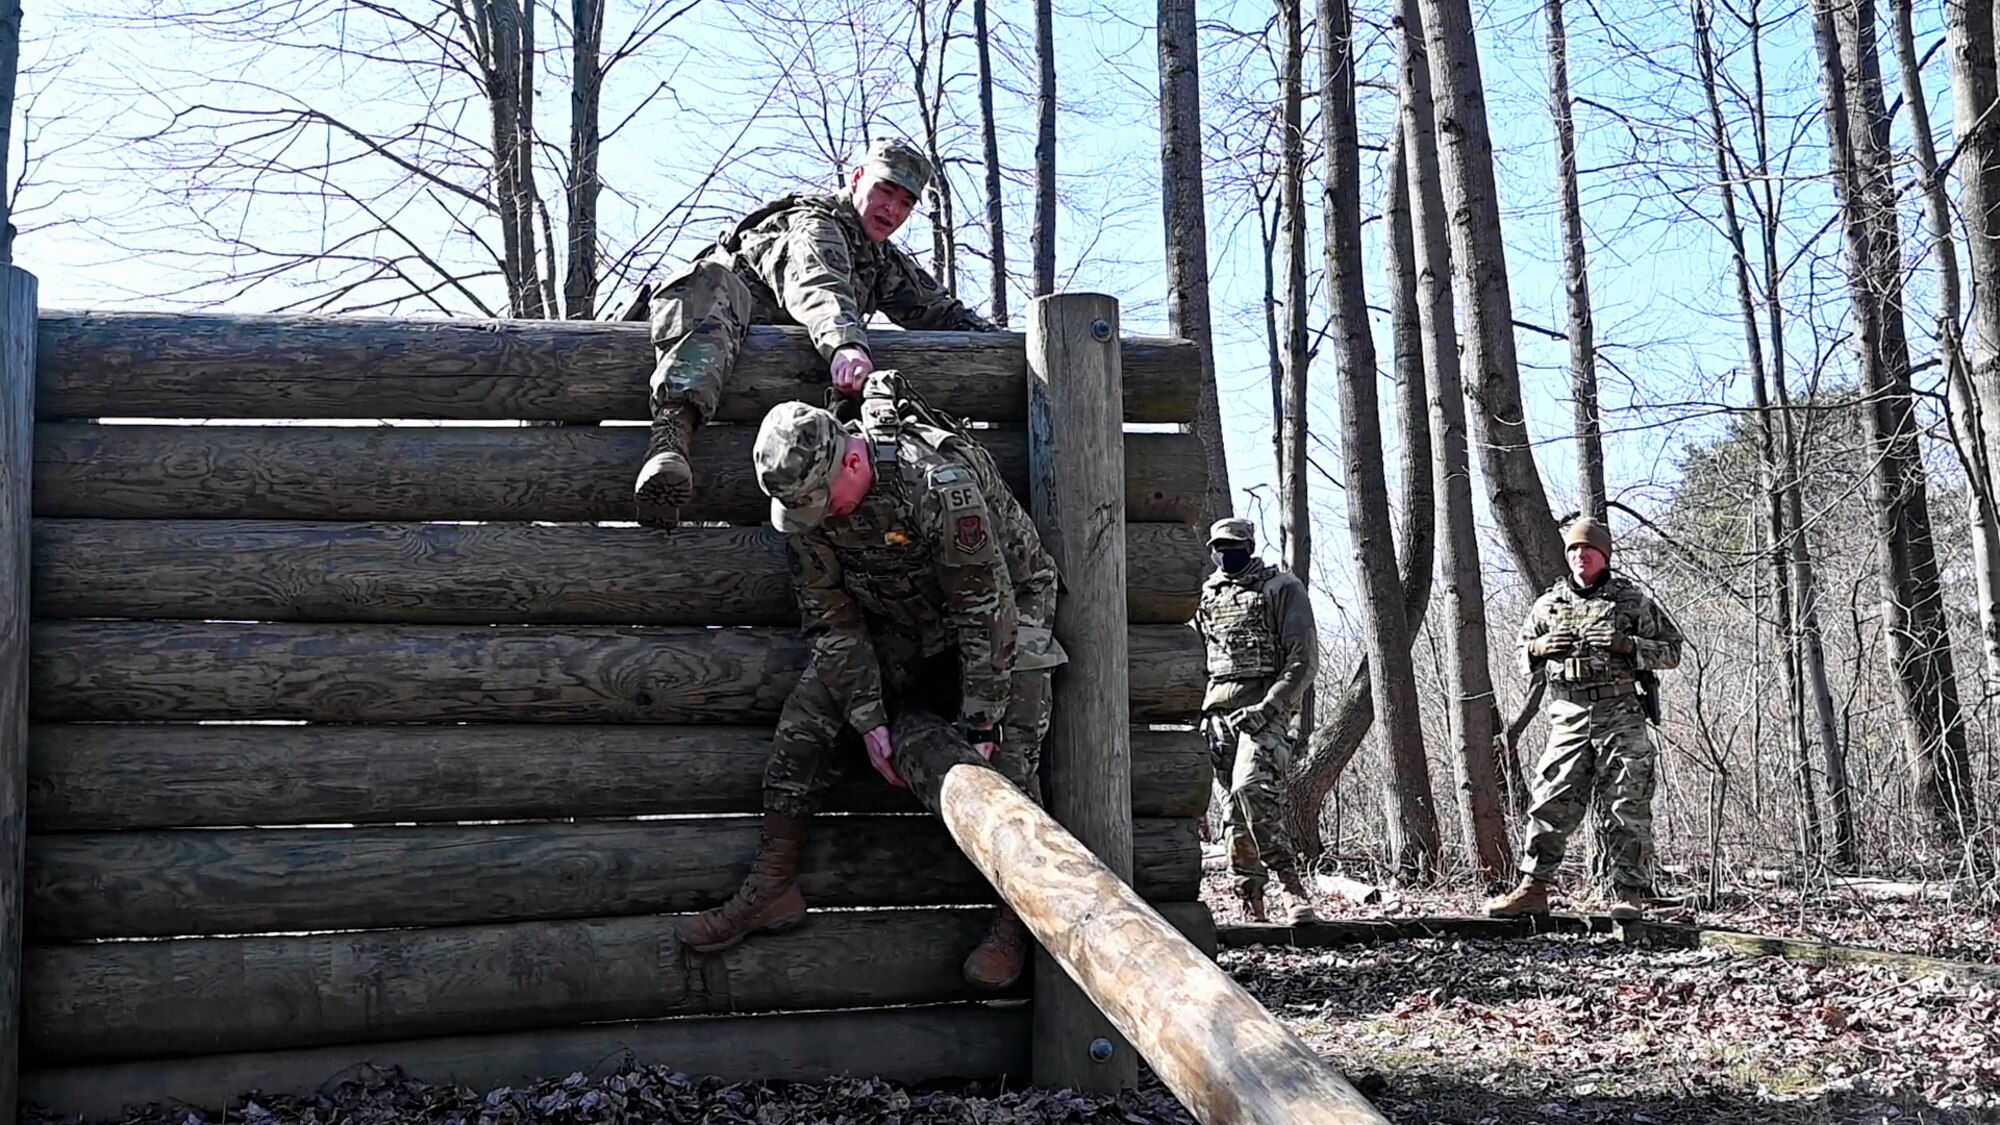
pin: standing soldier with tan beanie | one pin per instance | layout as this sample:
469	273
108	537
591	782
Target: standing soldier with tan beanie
1262	647
821	261
1593	633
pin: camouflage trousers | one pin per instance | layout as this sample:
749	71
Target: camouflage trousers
813	748
1604	752
698	319
1252	768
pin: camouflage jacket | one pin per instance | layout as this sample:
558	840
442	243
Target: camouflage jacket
1260	640
1564	608
939	552
808	262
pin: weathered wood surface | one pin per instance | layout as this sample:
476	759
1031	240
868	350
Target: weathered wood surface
1226	1058
573	474
162	884
1824	953
1076	481
171	671
180	365
911	1044
17	413
114	777
236	570
117	1000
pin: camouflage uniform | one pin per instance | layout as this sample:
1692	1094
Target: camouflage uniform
1598	733
1263	651
936	589
801	260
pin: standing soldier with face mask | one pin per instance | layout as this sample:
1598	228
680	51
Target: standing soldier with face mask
1256	623
921	581
1593	634
821	261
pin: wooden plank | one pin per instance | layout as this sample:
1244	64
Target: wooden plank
1225	1057
17	412
1076	477
1824	953
239	570
561	474
173	671
1338	932
171	883
205	365
122	1000
115	777
913	1044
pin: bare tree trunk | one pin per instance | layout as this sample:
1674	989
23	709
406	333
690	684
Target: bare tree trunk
989	136
1187	230
1576	281
1297	359
10	61
1475	716
1413	829
1805	606
585	97
1479	269
1975	86
502	37
929	89
1045	151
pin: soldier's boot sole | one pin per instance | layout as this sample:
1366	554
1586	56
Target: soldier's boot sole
665	485
713	931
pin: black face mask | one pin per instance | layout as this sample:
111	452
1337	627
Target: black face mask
1231	559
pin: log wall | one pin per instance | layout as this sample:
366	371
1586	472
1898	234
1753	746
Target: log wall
397	743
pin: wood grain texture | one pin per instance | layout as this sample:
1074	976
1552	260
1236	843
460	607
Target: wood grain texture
172	671
282	570
17	411
1076	477
565	474
182	365
171	883
122	1000
114	777
913	1044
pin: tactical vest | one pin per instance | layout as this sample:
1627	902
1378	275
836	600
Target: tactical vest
1241	643
1587	665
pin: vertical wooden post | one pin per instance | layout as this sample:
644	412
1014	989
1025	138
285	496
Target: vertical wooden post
1076	482
17	427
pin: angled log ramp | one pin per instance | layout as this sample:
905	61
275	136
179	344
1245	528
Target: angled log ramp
561	474
178	365
1227	1059
163	884
123	1000
907	1044
449	573
174	671
113	777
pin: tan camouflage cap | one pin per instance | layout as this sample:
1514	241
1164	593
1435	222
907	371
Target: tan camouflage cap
1591	532
898	161
797	447
1232	531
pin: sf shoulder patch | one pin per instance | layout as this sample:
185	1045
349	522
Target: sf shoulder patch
963	511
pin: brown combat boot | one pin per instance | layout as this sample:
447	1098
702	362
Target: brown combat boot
1628	905
768	901
666	479
1300	912
1001	954
1531	897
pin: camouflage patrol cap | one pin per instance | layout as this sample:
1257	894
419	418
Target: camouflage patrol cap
797	448
898	161
1232	531
1590	532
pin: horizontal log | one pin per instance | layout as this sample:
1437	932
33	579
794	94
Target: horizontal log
122	1000
171	671
113	777
477	573
911	1044
172	883
569	474
206	365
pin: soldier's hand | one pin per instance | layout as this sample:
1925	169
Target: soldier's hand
1605	635
1552	644
881	756
984	740
850	366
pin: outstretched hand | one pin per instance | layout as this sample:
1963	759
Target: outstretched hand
881	755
